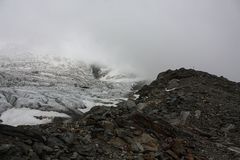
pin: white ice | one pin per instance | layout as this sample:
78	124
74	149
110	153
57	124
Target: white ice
54	83
27	116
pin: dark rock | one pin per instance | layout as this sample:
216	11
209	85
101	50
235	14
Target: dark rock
33	156
54	141
17	158
68	138
183	117
118	142
174	83
4	148
141	106
228	127
96	71
40	148
131	105
35	72
86	139
64	158
198	114
138	85
108	135
20	132
148	143
85	150
75	155
61	120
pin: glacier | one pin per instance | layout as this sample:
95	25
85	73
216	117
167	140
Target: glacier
36	84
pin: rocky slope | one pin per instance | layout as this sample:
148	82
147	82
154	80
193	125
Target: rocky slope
182	115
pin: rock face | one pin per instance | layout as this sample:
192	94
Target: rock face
182	115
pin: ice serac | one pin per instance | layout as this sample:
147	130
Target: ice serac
55	83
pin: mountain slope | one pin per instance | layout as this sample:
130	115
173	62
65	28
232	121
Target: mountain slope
183	114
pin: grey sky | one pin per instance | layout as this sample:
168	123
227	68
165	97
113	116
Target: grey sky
149	36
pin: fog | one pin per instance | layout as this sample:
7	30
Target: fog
146	36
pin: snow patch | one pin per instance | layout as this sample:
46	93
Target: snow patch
136	96
27	116
169	90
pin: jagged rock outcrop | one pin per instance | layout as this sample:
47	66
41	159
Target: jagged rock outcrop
183	114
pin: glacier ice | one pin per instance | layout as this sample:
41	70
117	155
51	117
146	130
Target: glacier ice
55	83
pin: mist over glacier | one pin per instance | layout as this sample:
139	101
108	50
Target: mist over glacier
119	79
145	37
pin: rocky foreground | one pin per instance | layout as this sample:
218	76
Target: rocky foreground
182	115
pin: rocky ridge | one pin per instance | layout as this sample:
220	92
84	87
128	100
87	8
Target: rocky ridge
182	115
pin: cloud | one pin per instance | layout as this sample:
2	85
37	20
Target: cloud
149	36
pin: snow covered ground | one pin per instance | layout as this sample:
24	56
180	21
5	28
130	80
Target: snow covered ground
27	116
52	86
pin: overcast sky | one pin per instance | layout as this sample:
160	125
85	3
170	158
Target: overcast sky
149	36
